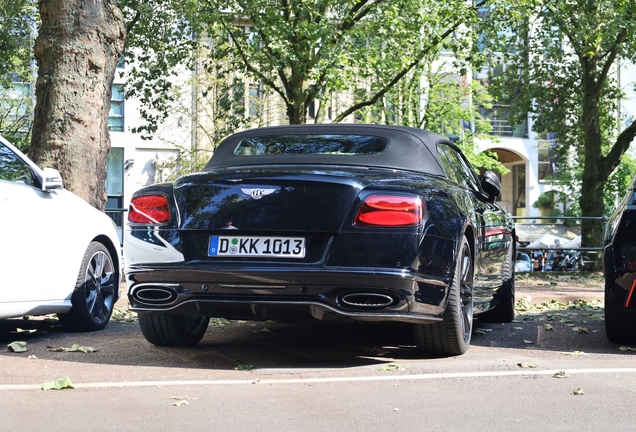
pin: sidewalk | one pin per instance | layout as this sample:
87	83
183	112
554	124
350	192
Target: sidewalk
561	292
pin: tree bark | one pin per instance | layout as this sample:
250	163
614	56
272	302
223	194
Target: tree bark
77	50
593	180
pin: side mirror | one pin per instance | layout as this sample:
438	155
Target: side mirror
51	180
491	184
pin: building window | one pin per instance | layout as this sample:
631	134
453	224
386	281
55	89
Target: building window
115	187
115	172
116	114
238	98
499	116
255	102
311	109
519	189
547	157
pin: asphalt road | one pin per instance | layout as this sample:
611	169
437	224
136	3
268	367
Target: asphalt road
319	376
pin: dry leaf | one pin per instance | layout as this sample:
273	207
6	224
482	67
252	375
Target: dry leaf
60	384
392	367
17	347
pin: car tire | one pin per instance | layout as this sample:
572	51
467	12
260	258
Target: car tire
95	291
172	329
620	324
504	311
452	335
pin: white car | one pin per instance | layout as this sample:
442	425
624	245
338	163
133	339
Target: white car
58	254
523	263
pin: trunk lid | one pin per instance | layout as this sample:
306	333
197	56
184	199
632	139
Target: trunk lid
261	200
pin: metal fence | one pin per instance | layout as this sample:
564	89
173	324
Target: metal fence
558	258
117	215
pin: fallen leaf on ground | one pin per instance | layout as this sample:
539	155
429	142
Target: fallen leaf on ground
529	342
244	367
578	392
180	403
526	365
625	348
548	327
561	374
219	322
575	353
74	348
263	330
181	398
62	383
123	315
392	367
17	347
32	357
581	330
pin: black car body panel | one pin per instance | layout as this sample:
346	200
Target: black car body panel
348	270
619	259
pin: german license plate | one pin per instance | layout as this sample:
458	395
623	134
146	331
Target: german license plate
256	246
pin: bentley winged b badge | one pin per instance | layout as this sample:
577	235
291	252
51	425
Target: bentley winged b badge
257	193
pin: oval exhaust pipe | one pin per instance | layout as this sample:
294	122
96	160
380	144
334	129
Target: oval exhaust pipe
367	300
155	295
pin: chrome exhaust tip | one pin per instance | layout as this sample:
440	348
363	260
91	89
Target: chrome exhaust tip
155	295
367	300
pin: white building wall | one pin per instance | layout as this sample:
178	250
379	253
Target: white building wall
142	154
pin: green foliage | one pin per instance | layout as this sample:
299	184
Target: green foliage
618	182
17	32
444	104
559	58
161	43
299	50
17	28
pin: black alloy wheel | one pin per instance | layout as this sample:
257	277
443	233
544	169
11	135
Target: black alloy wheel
95	292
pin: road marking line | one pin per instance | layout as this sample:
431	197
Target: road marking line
325	380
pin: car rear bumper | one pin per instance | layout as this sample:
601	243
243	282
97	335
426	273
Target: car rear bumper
365	294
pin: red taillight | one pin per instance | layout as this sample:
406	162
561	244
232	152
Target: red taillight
149	209
390	210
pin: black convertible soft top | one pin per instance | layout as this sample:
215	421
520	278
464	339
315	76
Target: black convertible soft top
395	147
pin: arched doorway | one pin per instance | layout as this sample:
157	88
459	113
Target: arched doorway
514	185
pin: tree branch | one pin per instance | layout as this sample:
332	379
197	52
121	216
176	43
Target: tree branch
436	41
133	22
611	160
611	57
251	68
397	77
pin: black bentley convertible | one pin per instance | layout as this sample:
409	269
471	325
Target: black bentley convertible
619	259
335	222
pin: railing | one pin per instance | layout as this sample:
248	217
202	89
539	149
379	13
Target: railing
591	261
117	215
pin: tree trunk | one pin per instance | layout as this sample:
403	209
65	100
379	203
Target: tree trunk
297	114
593	181
77	50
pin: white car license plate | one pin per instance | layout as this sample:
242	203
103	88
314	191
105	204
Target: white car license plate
280	247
